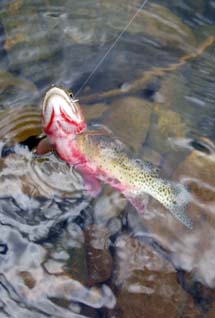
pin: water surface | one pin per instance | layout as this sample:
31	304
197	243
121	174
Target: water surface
63	253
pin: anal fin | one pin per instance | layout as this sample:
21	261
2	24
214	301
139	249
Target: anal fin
139	201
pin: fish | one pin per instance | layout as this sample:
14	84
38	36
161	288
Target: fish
100	157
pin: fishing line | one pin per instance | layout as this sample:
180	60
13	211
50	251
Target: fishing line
112	46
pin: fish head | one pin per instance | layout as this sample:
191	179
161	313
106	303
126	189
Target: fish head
61	114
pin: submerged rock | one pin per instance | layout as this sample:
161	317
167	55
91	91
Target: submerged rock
94	112
129	119
98	258
70	39
145	279
167	125
107	224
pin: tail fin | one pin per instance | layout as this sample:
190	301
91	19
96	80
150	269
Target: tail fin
178	207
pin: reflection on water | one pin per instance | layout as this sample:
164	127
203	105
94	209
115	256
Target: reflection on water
62	253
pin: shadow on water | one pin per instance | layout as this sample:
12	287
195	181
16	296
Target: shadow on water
62	252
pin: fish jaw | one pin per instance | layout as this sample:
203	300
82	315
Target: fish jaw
62	121
61	114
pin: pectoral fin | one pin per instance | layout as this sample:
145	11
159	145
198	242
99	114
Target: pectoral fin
44	147
91	184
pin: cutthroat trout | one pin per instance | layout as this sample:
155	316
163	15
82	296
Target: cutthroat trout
98	156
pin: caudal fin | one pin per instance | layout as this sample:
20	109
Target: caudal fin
179	214
181	200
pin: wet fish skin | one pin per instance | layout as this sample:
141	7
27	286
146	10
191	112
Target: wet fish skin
98	155
133	177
